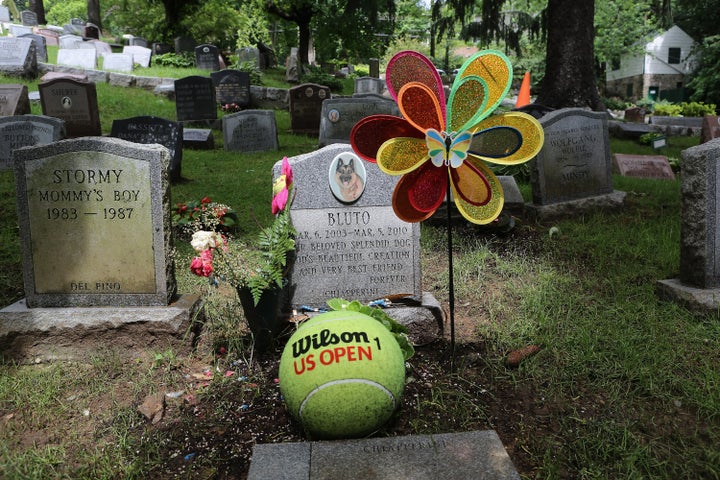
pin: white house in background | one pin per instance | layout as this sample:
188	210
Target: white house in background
663	66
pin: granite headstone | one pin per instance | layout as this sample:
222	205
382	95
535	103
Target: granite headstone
29	18
250	131
710	128
26	131
195	98
339	116
17	57
51	37
14	99
149	129
249	54
120	62
350	243
70	41
94	217
184	44
92	31
643	166
139	42
365	85
198	139
141	55
306	107
85	58
574	162
19	30
74	102
207	57
4	14
40	46
232	87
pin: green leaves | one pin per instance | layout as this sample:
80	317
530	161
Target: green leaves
398	331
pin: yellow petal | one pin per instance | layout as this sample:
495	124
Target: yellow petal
401	155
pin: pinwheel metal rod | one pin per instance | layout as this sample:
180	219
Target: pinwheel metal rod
451	279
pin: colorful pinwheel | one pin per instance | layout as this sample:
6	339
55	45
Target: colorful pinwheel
436	145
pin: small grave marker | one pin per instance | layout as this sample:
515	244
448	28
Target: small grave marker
250	131
14	99
364	85
184	44
121	62
350	244
72	101
141	55
710	128
149	129
92	31
70	41
306	107
207	57
4	14
26	131
195	98
51	37
198	139
85	58
19	30
94	223
643	166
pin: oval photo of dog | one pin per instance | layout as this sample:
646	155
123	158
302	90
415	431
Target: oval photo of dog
347	177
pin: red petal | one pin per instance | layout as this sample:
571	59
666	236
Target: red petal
370	132
419	193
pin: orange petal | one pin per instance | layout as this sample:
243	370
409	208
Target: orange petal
419	105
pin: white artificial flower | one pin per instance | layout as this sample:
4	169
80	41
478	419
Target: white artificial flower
204	240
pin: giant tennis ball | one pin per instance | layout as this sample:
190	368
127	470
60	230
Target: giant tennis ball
342	375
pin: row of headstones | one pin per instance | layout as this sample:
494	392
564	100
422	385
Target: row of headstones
106	195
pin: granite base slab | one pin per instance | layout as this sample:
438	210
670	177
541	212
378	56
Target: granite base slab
610	201
47	334
479	455
706	300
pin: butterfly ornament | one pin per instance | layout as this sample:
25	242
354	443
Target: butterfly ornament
439	145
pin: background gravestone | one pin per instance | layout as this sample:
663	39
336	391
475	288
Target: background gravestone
95	227
51	37
358	250
19	30
40	46
149	129
365	85
250	131
74	102
710	128
184	44
70	41
17	57
121	62
339	116
4	14
195	98
29	18
14	99
207	57
306	107
85	58
159	48
138	42
26	131
249	54
643	166
232	86
575	159
374	64
141	55
92	31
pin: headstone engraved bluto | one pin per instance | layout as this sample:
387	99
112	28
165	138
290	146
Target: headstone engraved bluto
575	159
74	102
149	129
94	217
195	98
232	87
29	18
14	99
339	116
207	57
306	107
476	455
17	57
250	131
699	282
85	58
40	46
358	250
26	131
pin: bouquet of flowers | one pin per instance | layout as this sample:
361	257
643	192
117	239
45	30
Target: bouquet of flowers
257	269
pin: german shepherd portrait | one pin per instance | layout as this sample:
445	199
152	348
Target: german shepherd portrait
350	183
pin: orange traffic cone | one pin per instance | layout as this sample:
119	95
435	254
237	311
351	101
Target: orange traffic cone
524	93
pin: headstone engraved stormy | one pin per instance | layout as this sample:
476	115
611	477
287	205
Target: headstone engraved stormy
94	217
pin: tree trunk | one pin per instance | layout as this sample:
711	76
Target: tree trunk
38	7
303	44
569	75
93	11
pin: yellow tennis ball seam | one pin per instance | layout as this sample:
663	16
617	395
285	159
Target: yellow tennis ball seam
343	381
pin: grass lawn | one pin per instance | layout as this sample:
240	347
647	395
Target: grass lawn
625	385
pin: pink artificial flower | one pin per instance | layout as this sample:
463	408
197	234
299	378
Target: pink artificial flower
202	265
279	201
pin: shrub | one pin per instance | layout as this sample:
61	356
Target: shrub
697	109
315	75
647	138
177	60
252	69
666	109
615	103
